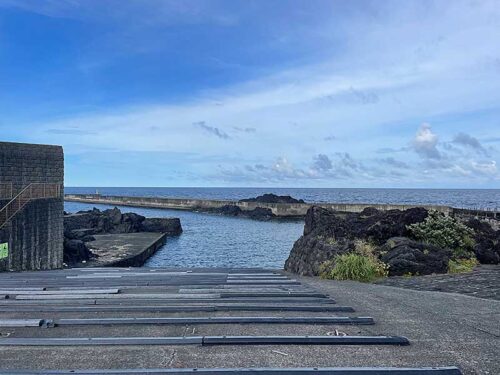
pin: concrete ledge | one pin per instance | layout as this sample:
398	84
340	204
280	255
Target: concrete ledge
125	249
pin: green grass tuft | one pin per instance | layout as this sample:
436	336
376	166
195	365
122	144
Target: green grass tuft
462	265
353	266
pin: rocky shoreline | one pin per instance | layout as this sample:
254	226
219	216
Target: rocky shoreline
81	227
329	233
258	213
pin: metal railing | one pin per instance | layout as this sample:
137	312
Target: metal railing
31	192
6	191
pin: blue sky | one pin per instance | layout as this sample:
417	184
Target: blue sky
293	93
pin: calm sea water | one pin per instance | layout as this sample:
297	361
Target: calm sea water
217	241
221	241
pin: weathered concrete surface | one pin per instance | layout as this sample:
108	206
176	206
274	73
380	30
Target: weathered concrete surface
124	249
483	282
35	234
444	329
278	209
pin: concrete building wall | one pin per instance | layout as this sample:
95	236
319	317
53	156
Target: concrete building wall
35	234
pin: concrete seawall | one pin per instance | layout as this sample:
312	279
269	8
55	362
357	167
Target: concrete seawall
283	210
131	249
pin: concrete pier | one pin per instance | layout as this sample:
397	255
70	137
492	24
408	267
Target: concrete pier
124	249
279	209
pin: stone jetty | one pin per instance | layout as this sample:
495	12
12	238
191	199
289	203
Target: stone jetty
268	208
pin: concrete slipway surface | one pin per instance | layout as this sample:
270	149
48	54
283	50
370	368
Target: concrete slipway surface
66	327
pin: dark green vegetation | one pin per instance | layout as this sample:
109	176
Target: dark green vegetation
446	232
360	265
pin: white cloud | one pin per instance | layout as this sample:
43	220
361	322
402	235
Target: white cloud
487	168
425	142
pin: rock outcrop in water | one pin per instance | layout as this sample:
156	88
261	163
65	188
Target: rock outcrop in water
258	213
273	198
80	228
328	233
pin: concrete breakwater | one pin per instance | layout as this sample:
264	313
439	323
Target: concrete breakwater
282	210
279	210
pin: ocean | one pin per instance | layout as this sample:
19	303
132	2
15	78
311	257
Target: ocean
219	241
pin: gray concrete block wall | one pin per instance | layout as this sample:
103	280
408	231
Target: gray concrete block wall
35	234
22	164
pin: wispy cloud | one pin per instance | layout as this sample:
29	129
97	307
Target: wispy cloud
212	130
322	163
245	130
364	97
69	132
393	162
467	140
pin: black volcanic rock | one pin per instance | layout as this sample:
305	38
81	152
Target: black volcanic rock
273	198
487	241
328	233
80	228
76	251
171	226
258	213
405	256
229	210
370	224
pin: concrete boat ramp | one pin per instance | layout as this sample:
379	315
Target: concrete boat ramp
183	321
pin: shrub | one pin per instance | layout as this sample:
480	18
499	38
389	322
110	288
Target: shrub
325	269
446	232
360	265
462	265
364	248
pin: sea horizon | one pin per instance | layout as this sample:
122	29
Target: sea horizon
276	187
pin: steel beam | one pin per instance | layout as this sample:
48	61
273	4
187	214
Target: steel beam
252	371
207	340
219	320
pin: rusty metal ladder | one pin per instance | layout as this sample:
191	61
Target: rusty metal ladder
28	193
